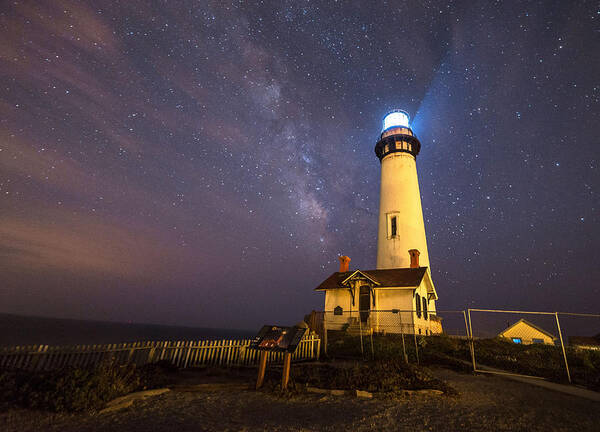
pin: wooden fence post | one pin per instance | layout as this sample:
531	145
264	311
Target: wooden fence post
131	352
151	352
187	354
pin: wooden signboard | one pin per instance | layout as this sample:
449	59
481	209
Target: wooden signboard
276	339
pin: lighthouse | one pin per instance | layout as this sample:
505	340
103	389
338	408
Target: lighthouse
401	235
398	296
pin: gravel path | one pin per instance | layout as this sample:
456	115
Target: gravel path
486	403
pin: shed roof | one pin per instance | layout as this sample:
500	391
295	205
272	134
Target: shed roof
524	321
400	277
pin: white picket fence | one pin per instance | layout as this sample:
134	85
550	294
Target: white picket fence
183	354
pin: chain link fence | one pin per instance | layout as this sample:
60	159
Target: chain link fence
563	347
413	335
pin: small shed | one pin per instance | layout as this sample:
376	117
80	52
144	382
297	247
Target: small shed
524	332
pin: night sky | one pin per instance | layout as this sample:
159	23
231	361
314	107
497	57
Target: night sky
204	163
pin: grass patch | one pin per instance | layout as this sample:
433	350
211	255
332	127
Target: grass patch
541	360
454	353
432	351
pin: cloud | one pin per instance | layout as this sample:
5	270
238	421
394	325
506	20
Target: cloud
79	244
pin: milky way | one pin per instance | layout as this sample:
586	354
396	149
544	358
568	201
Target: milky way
204	163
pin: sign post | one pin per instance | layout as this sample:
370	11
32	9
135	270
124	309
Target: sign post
276	339
285	376
262	366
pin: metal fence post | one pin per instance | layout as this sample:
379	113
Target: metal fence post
470	336
325	333
416	347
372	349
402	333
362	351
563	347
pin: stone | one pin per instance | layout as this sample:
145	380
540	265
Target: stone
333	392
364	394
317	390
127	400
116	407
429	392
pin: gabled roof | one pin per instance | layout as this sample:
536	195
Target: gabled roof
550	335
358	273
401	277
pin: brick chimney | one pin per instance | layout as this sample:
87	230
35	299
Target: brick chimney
344	263
414	258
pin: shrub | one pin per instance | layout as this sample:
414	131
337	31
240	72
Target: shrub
376	376
76	389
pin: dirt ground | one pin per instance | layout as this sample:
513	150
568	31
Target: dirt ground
485	403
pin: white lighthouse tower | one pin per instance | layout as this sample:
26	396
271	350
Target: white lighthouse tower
401	226
400	290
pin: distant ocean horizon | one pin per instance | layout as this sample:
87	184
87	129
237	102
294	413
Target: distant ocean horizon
34	330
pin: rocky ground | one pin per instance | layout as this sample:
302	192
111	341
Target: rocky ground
485	403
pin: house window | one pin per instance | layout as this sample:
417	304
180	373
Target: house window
338	310
424	308
418	304
538	341
517	340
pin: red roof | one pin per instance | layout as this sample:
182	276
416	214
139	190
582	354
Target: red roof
401	277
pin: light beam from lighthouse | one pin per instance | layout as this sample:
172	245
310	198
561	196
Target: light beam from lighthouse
401	226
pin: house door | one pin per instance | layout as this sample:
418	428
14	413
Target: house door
364	303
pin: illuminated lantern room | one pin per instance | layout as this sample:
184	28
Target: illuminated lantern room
397	136
396	118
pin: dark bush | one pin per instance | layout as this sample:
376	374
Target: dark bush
75	389
376	376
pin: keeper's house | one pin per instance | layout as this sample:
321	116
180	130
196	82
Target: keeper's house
400	300
524	332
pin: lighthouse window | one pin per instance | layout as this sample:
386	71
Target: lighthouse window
387	148
398	145
392	225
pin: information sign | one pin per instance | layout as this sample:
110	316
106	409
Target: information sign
278	339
